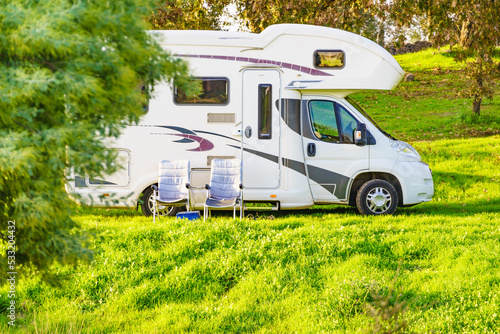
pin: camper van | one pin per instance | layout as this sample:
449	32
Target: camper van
278	101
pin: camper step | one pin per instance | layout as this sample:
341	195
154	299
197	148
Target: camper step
261	206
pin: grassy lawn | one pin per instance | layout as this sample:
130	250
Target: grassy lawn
309	271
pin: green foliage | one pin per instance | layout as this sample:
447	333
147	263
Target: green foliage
187	14
472	25
69	75
356	15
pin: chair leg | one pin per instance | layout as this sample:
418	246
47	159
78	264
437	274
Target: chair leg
154	212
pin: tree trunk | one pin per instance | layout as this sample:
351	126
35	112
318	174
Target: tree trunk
466	34
476	105
381	34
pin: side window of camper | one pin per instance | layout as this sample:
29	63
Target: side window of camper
329	59
324	121
265	110
347	125
331	122
213	91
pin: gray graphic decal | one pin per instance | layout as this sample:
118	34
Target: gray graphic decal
297	166
328	180
331	181
290	113
216	134
267	156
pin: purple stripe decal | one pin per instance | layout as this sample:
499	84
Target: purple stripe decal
294	67
205	145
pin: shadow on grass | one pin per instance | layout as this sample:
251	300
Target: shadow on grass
454	209
426	209
109	212
467	53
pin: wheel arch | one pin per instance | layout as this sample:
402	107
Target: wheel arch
143	184
360	179
140	198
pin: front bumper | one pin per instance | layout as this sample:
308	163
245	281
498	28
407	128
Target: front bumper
416	181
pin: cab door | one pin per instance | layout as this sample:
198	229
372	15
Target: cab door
261	129
332	159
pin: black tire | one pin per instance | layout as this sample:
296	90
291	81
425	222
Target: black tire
377	197
147	205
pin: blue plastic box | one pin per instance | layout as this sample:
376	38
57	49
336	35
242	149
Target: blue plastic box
190	215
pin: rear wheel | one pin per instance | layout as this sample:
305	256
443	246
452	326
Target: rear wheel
147	202
377	197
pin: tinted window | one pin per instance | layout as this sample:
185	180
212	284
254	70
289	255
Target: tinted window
265	110
329	58
331	122
347	125
324	121
213	91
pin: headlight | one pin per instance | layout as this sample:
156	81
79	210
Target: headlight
405	150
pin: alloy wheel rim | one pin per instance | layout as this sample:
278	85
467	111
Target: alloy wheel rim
379	200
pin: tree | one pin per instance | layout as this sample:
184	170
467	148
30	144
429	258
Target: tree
472	26
187	14
358	16
69	76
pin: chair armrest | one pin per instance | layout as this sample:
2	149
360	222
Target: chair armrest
154	187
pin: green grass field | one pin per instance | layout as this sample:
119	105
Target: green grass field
311	271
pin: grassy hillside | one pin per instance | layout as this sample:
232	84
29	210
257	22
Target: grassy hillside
308	271
433	106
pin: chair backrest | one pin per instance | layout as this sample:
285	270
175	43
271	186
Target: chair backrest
172	179
225	178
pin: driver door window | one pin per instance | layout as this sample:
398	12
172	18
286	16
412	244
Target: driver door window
324	121
331	122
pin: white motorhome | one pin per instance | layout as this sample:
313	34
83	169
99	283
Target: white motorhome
278	101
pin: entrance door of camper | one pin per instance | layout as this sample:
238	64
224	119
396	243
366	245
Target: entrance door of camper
261	129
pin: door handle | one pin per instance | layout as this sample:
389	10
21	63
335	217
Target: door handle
248	132
311	149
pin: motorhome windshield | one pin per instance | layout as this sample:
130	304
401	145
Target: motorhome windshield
364	113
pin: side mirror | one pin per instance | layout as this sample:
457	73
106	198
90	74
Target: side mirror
360	135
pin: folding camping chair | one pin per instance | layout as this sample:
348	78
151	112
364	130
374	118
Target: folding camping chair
173	185
225	189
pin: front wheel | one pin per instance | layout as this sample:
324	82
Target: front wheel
377	197
147	204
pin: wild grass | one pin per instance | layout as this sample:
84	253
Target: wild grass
308	271
322	270
433	106
435	59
